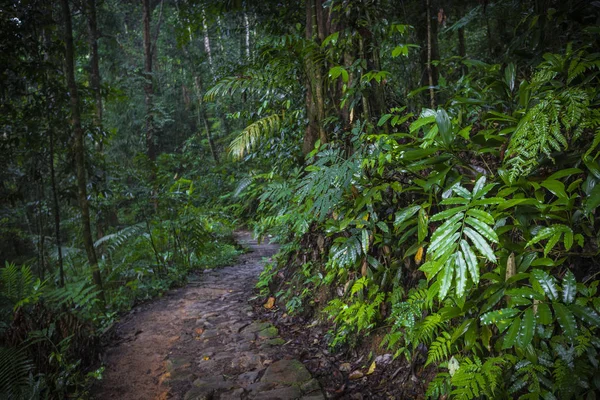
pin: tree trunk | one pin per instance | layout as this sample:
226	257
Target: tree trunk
95	85
203	119
79	150
148	84
315	97
56	212
429	55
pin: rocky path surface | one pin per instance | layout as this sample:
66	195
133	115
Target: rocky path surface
204	341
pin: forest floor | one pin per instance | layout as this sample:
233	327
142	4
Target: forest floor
205	341
208	341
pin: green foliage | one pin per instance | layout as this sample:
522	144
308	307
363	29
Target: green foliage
509	305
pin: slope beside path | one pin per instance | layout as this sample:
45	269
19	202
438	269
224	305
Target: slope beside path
203	341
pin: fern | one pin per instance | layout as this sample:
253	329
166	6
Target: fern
476	379
559	117
14	372
114	241
440	348
251	135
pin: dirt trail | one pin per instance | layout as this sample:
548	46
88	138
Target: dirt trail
203	342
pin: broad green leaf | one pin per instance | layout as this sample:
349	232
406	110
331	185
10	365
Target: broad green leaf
444	126
445	230
565	318
471	260
446	246
422	225
551	243
481	215
453	201
564	172
483	229
593	200
516	202
498	315
446	279
569	288
421	122
527	328
511	335
365	241
586	314
568	240
383	226
544	314
461	191
546	282
557	188
448	213
547	232
526	293
461	273
480	243
405	214
384	119
478	186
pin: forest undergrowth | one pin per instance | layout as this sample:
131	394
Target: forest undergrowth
429	169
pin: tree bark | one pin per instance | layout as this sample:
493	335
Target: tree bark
429	54
95	82
148	84
56	212
203	119
79	150
315	96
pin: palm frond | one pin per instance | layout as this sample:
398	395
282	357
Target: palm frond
253	133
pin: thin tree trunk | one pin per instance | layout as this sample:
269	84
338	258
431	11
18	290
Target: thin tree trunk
148	84
95	85
315	98
56	212
78	150
203	119
247	37
429	51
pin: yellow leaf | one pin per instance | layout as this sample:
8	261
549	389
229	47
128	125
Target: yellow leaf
371	368
270	303
419	255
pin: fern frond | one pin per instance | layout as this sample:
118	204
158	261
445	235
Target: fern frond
253	133
14	372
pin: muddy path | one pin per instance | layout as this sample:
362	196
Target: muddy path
204	341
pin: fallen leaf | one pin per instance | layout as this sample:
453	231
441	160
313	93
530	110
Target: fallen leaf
364	268
371	368
199	331
206	358
270	303
356	375
345	367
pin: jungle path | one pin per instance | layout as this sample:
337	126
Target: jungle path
203	341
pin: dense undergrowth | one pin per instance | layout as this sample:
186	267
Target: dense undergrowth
52	334
469	230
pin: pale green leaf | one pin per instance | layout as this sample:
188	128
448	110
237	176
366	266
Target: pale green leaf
480	243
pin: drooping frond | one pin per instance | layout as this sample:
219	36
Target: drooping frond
251	82
14	371
115	240
253	133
